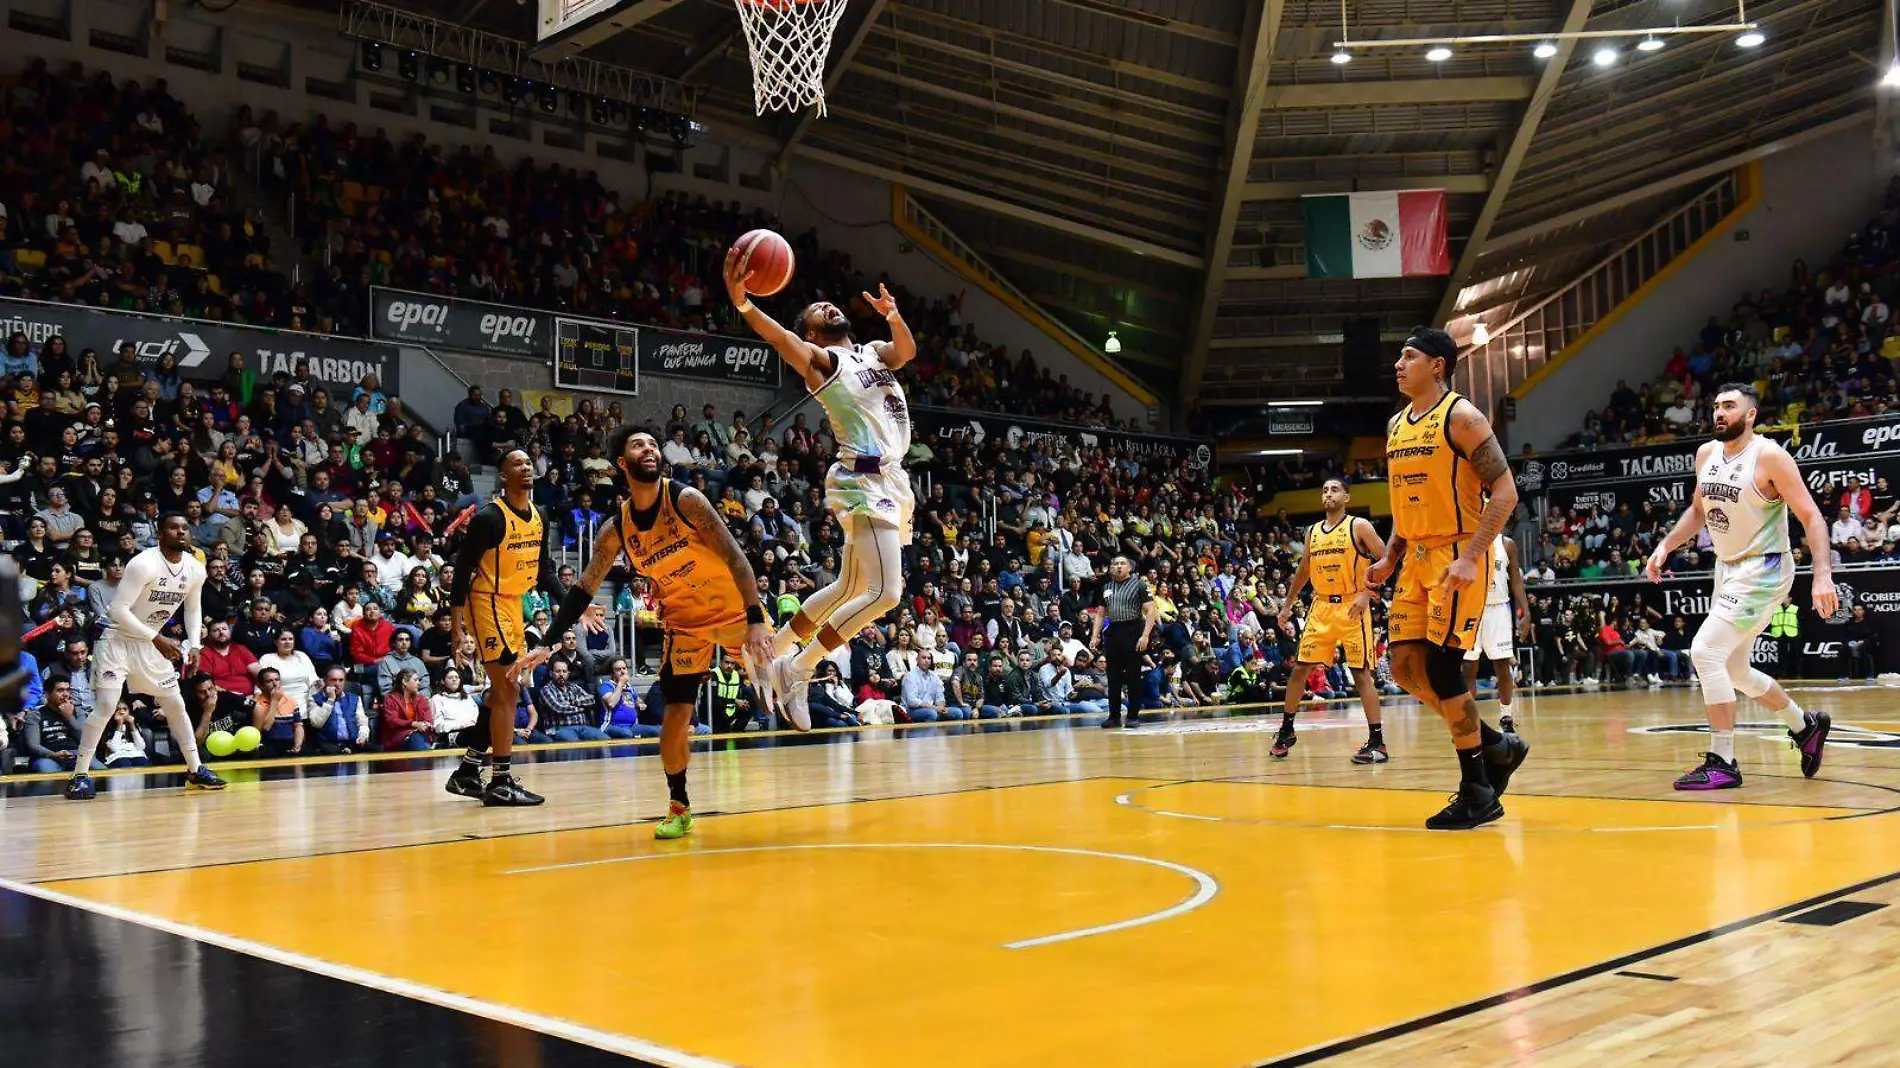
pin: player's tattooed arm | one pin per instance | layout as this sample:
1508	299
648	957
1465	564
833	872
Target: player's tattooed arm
1471	434
699	512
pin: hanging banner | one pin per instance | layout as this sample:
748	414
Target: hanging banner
203	348
528	334
1826	479
1823	641
1019	432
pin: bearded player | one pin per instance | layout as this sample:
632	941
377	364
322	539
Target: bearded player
134	651
1337	551
1441	457
703	586
503	556
1745	487
867	489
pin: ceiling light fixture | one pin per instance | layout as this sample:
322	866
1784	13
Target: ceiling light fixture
1341	58
1438	54
1295	403
1750	39
1544	45
1605	56
1544	50
1481	334
1113	345
1892	77
1652	43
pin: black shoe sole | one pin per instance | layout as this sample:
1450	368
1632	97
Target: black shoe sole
1825	724
489	801
456	787
1495	814
1500	772
1111	724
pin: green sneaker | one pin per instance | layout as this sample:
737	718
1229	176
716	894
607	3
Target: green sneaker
677	824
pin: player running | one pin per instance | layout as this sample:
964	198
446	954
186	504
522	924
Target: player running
134	652
867	489
1746	485
1338	548
704	587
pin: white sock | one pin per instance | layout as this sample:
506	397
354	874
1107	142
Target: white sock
1794	716
1504	708
1723	745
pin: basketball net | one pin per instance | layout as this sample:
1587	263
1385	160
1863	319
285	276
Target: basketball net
788	41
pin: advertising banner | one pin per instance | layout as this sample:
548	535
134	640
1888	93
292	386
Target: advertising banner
985	426
1846	439
203	348
1823	641
1826	479
525	333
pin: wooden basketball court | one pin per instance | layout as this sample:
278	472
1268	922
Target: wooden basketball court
1032	895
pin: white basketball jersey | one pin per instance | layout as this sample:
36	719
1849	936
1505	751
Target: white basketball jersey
866	406
1741	522
1500	591
151	591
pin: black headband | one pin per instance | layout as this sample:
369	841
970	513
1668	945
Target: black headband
1432	342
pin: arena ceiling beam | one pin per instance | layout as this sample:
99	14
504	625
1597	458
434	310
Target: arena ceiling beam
1154	22
1513	160
842	53
1212	90
922	184
708	51
1407	91
1243	128
1466	184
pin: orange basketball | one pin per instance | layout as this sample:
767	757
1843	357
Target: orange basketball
769	258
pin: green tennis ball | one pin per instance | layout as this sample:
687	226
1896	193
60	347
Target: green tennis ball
248	739
221	743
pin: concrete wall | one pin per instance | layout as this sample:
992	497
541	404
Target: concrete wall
852	212
1813	196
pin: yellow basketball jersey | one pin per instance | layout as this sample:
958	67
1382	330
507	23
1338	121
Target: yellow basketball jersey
1435	491
513	567
1333	560
691	583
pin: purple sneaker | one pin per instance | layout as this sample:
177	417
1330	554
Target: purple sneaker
1811	740
1714	774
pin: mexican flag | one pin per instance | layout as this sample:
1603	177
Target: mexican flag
1376	235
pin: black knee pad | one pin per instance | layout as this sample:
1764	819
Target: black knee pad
1445	671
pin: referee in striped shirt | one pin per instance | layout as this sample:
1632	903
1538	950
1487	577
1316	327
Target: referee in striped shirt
1124	614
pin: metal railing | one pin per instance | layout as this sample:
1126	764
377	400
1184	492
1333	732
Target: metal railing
1536	335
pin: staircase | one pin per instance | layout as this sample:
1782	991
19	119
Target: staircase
278	220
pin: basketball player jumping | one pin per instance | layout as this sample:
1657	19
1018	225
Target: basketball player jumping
1337	551
1440	457
867	489
503	556
704	588
1507	617
133	651
1746	485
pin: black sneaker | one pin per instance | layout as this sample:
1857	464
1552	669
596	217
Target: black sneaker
80	788
1371	753
1113	722
504	792
1474	805
1131	721
1507	724
1501	759
465	782
1283	744
204	779
1811	740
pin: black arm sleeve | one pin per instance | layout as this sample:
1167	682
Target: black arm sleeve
483	534
550	580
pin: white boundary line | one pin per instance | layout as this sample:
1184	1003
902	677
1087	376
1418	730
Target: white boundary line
1206	886
548	1025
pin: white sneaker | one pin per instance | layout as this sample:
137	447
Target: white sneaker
763	685
794	693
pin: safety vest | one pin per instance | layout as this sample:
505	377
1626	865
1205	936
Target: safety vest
726	685
1786	622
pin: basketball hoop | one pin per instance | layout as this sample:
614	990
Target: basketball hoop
788	41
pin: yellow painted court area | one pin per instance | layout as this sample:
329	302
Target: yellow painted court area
1247	919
